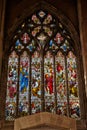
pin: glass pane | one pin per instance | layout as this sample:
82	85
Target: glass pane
18	45
48	31
36	83
25	38
65	47
36	30
53	46
60	84
73	85
32	46
35	19
49	83
12	86
58	39
48	19
24	84
41	14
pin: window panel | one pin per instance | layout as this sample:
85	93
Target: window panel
73	85
24	84
61	84
49	82
45	59
12	86
36	83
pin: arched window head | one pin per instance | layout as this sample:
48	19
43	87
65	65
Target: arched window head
42	69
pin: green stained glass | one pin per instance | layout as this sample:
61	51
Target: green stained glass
12	86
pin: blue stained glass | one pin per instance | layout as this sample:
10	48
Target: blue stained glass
52	46
24	85
51	43
23	79
18	45
65	46
41	14
31	46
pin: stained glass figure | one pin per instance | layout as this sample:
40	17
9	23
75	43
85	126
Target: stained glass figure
58	39
25	38
41	37
73	85
12	86
48	82
36	83
60	84
24	84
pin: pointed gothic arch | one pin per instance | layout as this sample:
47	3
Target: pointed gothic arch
68	26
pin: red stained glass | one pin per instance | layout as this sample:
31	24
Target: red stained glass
48	82
24	84
25	38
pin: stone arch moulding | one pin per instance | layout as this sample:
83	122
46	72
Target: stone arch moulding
45	121
74	35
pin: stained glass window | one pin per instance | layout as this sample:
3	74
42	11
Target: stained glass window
24	84
42	69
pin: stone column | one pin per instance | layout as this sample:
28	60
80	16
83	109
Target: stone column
82	18
2	18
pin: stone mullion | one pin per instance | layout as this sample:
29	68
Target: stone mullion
3	87
42	82
67	88
29	96
81	89
55	92
17	103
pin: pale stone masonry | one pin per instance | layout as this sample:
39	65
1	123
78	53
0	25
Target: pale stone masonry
45	121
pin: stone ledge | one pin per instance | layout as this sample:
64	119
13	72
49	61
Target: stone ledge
45	119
